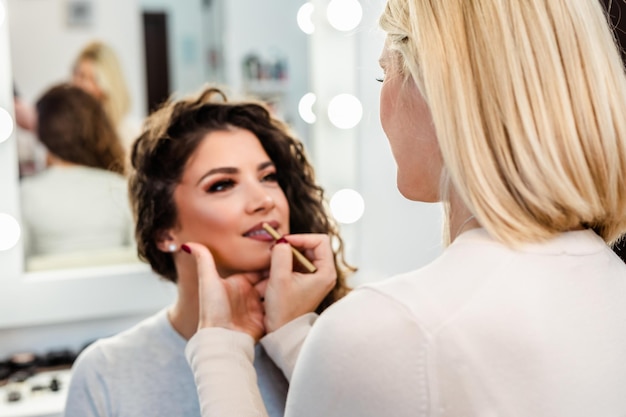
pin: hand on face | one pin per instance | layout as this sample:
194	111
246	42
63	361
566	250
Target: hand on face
235	302
289	294
232	303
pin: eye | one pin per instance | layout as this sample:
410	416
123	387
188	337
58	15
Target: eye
221	185
270	177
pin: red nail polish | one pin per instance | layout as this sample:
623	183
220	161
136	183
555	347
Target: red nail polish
185	248
281	240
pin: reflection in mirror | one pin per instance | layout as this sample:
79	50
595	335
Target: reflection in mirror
167	47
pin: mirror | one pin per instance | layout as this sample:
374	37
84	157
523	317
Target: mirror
193	42
205	41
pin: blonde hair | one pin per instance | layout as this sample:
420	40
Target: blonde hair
528	99
109	77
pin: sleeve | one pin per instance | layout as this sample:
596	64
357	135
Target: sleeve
222	364
284	344
364	357
88	393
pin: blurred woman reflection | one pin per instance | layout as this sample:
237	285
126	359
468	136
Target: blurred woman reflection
97	71
79	201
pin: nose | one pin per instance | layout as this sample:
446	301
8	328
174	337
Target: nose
260	199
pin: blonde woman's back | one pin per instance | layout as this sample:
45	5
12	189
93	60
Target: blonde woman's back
482	331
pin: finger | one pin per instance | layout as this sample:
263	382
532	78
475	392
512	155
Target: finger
307	240
261	287
317	248
204	261
281	262
209	284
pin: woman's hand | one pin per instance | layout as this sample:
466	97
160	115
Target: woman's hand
232	303
289	294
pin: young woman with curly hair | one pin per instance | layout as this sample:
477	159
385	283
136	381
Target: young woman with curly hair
210	171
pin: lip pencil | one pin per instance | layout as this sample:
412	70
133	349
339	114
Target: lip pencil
300	257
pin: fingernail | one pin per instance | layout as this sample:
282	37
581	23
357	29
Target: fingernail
185	248
281	240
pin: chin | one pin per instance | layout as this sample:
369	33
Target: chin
414	193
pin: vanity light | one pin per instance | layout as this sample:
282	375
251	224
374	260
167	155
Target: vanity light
304	18
305	108
347	206
345	111
9	231
344	15
6	123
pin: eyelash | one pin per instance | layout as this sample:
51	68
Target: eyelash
224	184
272	176
220	186
380	79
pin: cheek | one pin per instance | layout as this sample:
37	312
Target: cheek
282	207
386	111
199	221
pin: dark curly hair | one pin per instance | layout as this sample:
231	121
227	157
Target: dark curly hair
73	126
171	135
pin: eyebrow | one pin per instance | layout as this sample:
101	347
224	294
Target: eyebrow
231	170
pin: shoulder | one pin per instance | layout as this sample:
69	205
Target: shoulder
365	349
367	316
126	348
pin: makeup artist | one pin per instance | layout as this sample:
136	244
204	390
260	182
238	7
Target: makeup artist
511	113
214	172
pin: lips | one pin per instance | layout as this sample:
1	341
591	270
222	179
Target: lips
258	233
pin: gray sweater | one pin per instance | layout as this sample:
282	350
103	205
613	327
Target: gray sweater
143	372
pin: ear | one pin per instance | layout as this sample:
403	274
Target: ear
166	241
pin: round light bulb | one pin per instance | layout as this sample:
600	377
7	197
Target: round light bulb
9	231
345	111
6	124
305	108
304	18
347	206
344	15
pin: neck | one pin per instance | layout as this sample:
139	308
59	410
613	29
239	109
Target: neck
461	219
52	160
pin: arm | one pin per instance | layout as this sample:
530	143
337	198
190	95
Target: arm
284	344
222	363
229	322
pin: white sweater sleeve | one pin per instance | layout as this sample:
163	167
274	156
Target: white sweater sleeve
284	344
222	363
